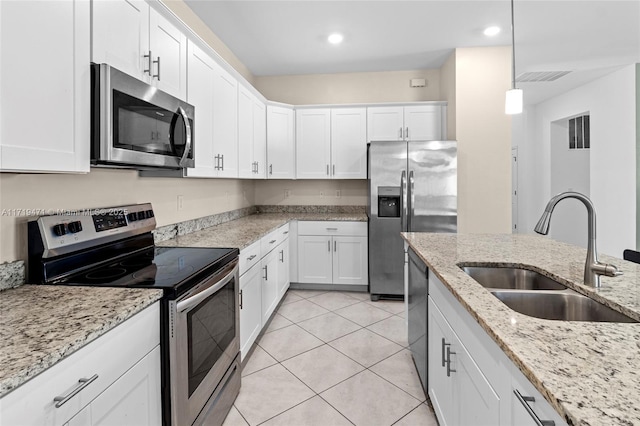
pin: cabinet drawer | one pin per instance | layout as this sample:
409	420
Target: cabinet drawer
269	242
108	357
283	232
333	227
249	256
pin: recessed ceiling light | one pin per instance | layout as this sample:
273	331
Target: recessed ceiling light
491	31
335	38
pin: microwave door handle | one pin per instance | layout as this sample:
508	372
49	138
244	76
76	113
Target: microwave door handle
195	299
187	146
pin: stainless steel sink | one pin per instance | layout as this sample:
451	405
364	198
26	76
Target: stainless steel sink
511	278
564	306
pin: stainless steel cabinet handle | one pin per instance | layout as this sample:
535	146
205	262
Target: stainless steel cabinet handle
407	137
240	299
272	241
335	246
449	369
327	170
444	345
281	256
266	273
149	63
334	170
222	159
83	383
157	62
285	232
524	400
329	245
270	169
332	229
257	167
400	133
253	256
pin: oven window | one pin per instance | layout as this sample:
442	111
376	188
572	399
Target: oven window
211	328
141	126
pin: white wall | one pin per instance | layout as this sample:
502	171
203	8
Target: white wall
610	101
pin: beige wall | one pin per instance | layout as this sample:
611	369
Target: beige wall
307	192
108	188
182	11
483	131
448	92
364	87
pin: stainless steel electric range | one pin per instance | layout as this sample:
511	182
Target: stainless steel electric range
114	247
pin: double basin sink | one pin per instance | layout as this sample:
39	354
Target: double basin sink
536	295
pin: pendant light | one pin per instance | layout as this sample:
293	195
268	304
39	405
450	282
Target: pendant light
513	103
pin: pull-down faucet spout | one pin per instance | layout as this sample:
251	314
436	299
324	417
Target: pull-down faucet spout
592	268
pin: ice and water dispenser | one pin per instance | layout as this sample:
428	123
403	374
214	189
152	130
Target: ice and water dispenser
388	201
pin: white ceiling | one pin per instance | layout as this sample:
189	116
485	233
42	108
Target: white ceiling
589	38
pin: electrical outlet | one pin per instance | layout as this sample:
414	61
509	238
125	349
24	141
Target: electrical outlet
287	193
338	194
180	202
321	194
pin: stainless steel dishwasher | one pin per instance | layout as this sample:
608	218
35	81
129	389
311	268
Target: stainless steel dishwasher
418	306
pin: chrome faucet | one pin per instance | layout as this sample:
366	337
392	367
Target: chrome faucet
592	268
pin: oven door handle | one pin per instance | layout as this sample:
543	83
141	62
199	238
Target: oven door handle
207	290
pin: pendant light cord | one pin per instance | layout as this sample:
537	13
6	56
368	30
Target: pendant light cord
513	50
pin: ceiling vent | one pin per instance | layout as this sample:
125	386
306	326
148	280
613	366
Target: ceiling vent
540	76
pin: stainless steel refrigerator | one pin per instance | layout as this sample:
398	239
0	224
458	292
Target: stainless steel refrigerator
412	187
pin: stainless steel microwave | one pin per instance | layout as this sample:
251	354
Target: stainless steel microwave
135	125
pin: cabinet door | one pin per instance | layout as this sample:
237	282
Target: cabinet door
313	143
385	124
280	143
168	47
283	268
250	308
269	285
134	399
423	123
260	138
350	260
349	143
440	385
315	255
246	162
121	35
225	123
200	95
45	79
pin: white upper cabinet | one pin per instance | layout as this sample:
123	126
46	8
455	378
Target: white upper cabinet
280	143
313	143
260	138
137	40
202	71
349	143
45	85
408	123
225	123
252	135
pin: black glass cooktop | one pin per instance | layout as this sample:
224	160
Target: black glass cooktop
157	267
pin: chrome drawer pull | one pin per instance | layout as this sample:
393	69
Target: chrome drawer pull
524	400
250	258
240	299
83	383
272	241
444	345
449	369
332	229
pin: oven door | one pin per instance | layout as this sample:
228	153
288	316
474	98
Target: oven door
204	340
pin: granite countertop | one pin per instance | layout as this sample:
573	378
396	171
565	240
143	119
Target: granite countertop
42	324
243	232
588	371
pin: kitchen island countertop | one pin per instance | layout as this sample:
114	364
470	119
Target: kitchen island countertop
588	371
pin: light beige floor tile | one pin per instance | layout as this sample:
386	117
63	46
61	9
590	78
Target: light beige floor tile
422	416
288	342
268	393
307	293
329	326
363	313
258	360
360	295
365	347
366	399
313	412
278	322
400	370
402	314
290	297
393	306
322	367
393	328
301	310
333	300
234	418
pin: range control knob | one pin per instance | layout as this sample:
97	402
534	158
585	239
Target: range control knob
74	227
60	229
132	217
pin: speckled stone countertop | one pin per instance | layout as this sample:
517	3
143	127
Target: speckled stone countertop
243	232
42	324
588	371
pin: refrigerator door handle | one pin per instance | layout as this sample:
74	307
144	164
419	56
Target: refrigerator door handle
411	196
403	200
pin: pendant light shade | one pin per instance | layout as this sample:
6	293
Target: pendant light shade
514	98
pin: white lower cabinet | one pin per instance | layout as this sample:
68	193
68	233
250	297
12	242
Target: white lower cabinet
112	380
471	380
333	253
269	285
250	307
